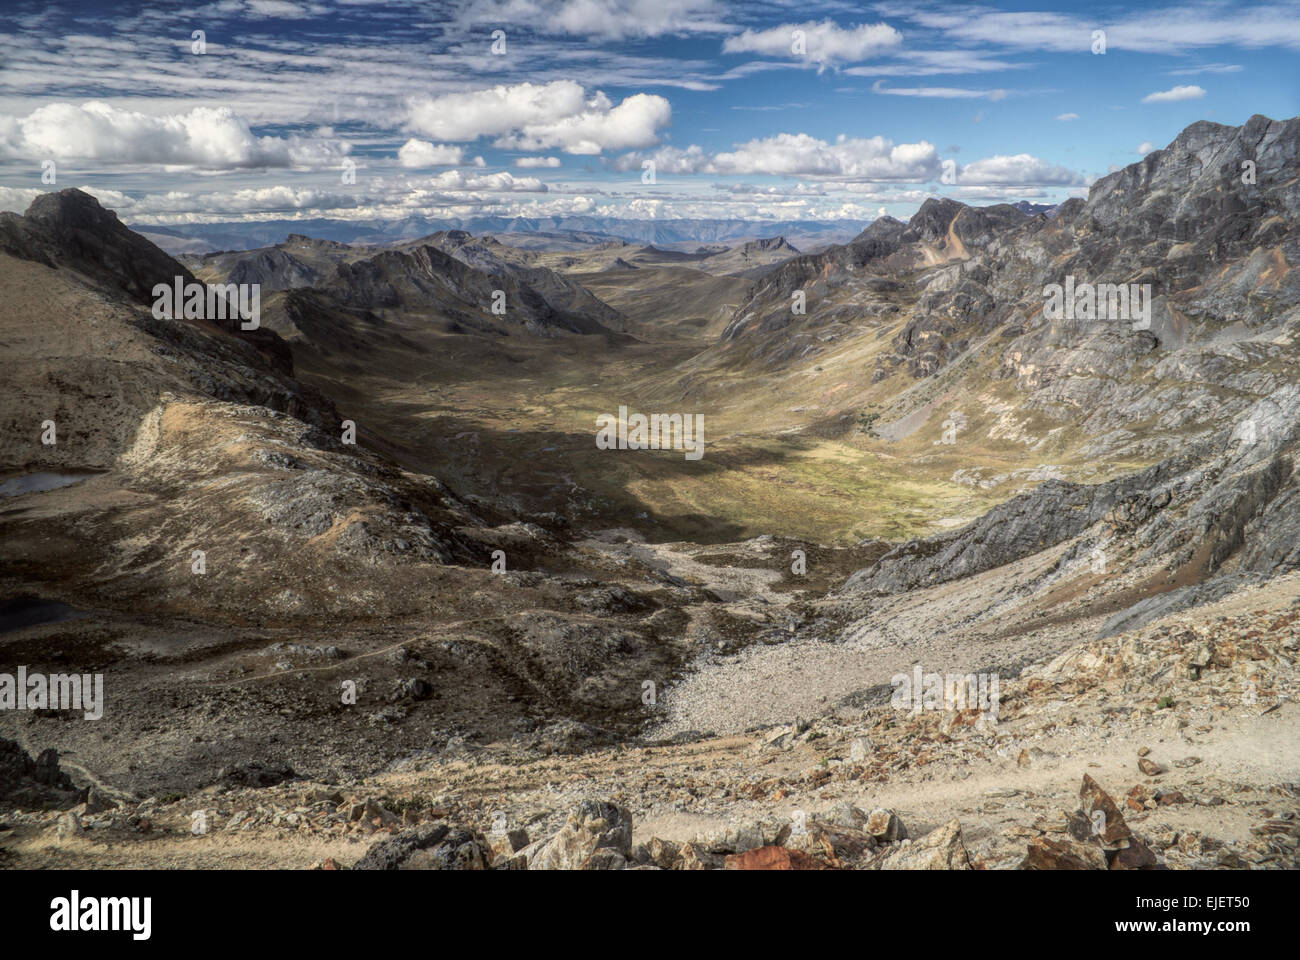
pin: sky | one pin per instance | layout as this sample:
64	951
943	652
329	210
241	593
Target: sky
238	110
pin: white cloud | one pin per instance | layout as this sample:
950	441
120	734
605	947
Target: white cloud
824	42
798	154
1066	117
917	63
277	9
950	93
212	138
391	200
526	116
1170	30
1144	148
608	19
535	162
500	182
1205	68
1021	169
233	204
17	199
422	153
1175	94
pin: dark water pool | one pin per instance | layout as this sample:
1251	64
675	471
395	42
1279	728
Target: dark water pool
19	612
39	482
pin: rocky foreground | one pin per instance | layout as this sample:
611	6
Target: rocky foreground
1172	746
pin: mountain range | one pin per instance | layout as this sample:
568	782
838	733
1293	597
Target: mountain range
552	231
365	556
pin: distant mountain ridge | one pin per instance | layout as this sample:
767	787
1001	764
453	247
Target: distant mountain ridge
584	230
449	273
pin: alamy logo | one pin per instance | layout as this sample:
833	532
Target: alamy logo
73	913
212	301
58	691
658	431
1104	301
935	691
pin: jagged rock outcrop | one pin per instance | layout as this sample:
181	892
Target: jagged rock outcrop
28	782
596	836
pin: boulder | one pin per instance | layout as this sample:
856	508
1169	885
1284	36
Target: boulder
942	849
592	826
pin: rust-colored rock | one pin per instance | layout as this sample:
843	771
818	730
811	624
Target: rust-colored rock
773	858
1092	799
1045	853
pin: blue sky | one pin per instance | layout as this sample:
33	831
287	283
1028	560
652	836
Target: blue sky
296	109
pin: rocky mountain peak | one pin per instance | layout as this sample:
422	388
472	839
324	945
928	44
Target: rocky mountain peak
70	228
72	208
769	244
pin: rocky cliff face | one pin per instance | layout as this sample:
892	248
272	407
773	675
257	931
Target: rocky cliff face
1223	509
1210	223
875	278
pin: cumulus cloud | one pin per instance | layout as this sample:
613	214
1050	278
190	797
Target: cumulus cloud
17	199
1020	169
1145	147
422	153
239	204
824	42
528	116
503	182
798	154
535	162
560	206
1175	94
390	200
212	138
